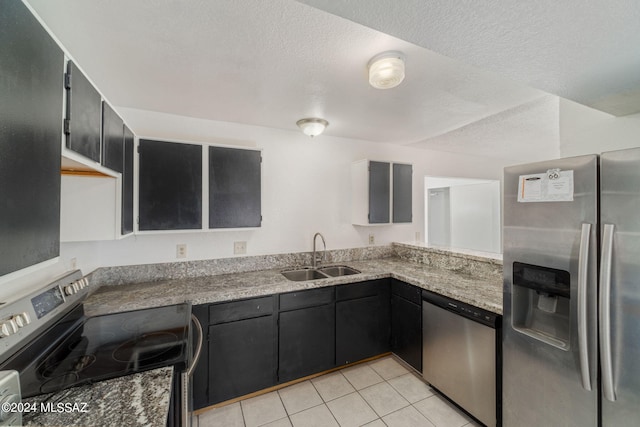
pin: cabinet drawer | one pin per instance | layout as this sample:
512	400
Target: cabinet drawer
306	298
406	291
237	310
360	290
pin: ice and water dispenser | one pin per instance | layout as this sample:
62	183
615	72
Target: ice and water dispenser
541	303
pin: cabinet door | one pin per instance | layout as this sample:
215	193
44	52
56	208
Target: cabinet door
406	331
362	328
402	193
306	342
170	186
234	188
242	358
379	192
84	110
112	139
127	182
31	100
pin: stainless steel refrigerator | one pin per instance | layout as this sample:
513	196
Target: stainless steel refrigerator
571	327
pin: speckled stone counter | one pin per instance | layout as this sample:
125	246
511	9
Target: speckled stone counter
132	401
462	280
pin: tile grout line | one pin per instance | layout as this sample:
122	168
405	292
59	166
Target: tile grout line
324	402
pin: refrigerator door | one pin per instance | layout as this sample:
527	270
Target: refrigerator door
620	318
550	284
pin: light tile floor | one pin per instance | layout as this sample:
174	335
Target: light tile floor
375	394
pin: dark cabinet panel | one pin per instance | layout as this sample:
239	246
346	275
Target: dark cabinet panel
242	357
239	355
406	326
84	110
170	182
402	193
234	188
31	101
127	182
243	309
379	192
306	298
362	324
112	139
306	342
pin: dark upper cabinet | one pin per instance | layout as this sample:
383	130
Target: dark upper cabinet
84	111
112	139
379	192
127	182
31	100
170	186
234	188
402	193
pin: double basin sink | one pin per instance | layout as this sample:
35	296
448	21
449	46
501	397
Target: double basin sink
310	273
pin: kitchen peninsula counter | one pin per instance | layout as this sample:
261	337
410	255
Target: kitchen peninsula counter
483	290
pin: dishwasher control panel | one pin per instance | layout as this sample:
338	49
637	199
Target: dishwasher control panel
463	309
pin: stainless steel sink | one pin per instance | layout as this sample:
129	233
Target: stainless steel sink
310	273
338	270
303	274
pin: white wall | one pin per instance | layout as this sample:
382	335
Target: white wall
475	216
584	130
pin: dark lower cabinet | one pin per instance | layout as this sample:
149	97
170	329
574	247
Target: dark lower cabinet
256	343
242	357
362	321
239	355
406	323
306	335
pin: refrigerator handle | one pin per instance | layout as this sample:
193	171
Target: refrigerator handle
583	270
605	314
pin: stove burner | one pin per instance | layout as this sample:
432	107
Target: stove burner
147	347
52	368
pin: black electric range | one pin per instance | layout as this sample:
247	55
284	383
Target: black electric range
54	346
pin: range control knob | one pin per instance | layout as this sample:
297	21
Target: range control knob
8	327
22	319
10	398
69	289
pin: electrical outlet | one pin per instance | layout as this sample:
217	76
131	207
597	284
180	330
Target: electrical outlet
417	236
239	248
181	250
372	239
74	263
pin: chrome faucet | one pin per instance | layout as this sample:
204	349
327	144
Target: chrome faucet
314	259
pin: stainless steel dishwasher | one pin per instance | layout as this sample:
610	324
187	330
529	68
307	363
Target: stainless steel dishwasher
460	355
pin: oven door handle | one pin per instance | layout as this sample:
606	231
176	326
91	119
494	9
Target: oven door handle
196	356
186	375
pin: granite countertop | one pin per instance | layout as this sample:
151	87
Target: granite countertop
135	400
482	292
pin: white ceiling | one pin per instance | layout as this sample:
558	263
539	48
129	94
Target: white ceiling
270	63
586	51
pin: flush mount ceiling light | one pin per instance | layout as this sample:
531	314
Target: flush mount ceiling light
386	70
312	126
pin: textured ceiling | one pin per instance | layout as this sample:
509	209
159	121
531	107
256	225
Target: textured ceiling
270	63
586	51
